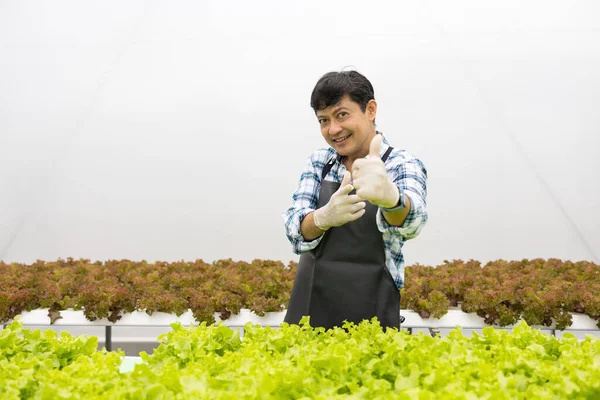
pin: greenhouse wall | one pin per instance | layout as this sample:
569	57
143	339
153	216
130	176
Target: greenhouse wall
178	130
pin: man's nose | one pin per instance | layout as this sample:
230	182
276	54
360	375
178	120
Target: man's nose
334	128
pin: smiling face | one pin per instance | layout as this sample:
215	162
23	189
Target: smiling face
347	128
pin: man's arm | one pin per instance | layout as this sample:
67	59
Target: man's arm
397	218
402	177
309	229
411	177
298	218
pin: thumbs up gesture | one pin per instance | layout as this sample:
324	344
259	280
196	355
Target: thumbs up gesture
370	178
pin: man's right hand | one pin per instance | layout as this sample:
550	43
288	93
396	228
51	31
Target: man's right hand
341	208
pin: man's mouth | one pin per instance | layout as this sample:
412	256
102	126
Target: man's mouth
342	139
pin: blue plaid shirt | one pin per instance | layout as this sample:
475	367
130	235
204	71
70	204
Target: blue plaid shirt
405	170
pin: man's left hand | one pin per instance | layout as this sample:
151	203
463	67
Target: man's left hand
369	178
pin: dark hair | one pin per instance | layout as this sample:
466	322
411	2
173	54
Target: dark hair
332	86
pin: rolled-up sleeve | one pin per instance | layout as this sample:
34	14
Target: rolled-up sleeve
411	177
304	201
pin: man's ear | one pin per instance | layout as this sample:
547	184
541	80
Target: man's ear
371	109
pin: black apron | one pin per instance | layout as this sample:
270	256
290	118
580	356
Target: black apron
345	277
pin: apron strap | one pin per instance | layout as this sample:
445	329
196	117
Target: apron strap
329	165
387	154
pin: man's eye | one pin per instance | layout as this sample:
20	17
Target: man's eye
342	114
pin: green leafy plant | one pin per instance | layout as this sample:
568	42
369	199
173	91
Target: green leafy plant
297	361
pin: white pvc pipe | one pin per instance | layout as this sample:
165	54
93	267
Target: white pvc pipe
452	319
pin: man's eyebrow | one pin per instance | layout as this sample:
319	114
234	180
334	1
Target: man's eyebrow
335	110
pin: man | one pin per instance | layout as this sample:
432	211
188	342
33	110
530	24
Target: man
356	204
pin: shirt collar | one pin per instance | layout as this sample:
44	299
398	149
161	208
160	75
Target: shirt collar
384	146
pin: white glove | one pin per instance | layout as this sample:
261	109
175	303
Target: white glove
371	180
341	207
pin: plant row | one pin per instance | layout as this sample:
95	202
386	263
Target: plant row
541	292
299	362
109	289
